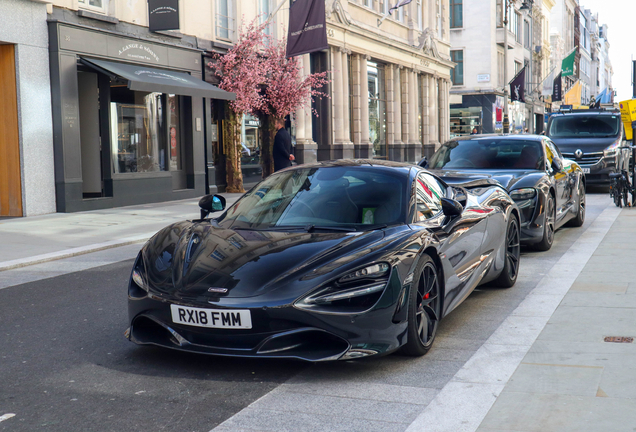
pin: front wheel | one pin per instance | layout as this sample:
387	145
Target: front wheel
508	275
548	226
425	308
580	214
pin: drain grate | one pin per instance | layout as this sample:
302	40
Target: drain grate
619	339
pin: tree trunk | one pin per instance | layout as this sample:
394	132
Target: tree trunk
232	135
267	147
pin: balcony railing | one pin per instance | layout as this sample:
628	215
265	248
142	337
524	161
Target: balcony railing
225	27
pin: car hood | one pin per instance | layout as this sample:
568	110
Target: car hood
184	260
507	178
586	145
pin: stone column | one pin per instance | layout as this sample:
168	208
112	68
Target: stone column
306	148
441	102
346	96
364	149
390	108
433	112
337	95
397	105
425	115
355	91
405	105
413	150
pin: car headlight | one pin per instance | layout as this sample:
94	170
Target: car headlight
355	292
523	194
371	271
611	150
139	280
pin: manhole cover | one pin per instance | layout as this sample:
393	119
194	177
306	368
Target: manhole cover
619	339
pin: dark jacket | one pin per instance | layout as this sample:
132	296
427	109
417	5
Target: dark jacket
282	149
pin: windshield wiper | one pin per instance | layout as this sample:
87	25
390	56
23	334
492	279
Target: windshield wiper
271	228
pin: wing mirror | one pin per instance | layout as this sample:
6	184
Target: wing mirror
210	204
556	165
451	207
423	163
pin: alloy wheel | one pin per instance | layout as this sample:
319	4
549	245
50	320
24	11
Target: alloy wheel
513	249
549	219
428	304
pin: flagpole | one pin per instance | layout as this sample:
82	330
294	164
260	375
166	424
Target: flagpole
271	16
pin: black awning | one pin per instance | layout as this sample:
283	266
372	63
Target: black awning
150	79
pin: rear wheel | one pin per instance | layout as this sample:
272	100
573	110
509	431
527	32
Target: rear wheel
425	304
508	275
548	226
580	215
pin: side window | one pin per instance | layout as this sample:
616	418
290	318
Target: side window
429	193
555	149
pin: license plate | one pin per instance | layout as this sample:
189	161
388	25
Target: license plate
585	170
211	318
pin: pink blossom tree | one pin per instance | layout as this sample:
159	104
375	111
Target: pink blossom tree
287	90
241	71
266	82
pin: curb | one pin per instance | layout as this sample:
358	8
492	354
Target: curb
68	253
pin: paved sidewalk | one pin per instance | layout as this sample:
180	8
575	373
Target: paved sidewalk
574	377
38	239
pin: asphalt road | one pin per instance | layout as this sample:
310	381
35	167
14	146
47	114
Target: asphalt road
66	366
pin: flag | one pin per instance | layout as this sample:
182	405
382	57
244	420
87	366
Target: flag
518	86
573	96
557	89
307	27
548	82
399	3
163	15
567	65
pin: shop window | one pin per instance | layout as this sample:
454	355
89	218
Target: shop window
174	129
377	108
146	131
465	121
251	150
456	14
457	73
94	5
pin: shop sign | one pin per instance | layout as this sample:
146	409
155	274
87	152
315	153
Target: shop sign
138	51
163	15
481	78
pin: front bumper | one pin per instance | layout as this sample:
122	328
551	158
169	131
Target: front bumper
280	331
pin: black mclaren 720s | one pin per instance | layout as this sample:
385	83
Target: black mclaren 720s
548	188
327	261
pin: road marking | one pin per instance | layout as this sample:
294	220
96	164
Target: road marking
476	386
6	417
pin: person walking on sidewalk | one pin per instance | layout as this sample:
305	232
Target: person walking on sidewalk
282	146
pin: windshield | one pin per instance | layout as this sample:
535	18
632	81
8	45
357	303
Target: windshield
584	126
489	153
351	197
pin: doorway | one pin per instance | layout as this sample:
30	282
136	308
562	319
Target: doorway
10	180
90	141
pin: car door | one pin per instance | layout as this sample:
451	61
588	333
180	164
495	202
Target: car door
460	239
559	172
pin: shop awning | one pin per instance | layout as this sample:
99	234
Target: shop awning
149	79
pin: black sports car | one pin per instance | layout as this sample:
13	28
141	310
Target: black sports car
549	189
334	260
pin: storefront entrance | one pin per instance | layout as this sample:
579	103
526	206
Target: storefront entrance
10	182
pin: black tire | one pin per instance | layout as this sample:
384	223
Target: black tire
509	274
548	226
580	214
425	308
616	195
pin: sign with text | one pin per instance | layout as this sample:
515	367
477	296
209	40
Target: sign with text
163	15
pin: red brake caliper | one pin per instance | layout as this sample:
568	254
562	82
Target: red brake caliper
426	296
